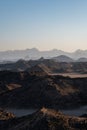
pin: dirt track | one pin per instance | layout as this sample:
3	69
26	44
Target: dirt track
71	75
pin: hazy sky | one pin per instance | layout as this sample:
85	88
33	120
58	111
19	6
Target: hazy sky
45	24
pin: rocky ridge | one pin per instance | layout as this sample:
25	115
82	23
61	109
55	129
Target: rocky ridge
45	119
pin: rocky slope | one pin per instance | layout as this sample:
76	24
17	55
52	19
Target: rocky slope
45	119
24	89
63	58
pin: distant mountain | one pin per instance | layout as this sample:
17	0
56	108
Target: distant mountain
36	54
63	58
19	54
79	53
82	59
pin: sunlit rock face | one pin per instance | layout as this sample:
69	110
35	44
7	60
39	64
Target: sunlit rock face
4	115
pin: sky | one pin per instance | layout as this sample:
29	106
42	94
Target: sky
44	24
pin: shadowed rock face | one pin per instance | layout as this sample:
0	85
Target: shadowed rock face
45	119
24	90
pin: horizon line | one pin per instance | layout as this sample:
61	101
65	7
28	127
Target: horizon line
43	50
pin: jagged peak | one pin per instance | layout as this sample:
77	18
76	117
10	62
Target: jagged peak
50	112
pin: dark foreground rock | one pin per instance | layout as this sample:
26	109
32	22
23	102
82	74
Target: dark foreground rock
84	115
45	119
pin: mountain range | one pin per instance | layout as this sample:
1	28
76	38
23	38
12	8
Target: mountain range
60	64
36	54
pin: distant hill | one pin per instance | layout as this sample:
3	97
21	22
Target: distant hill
36	54
63	58
82	59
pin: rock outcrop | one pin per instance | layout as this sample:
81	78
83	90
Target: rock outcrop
4	115
45	119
